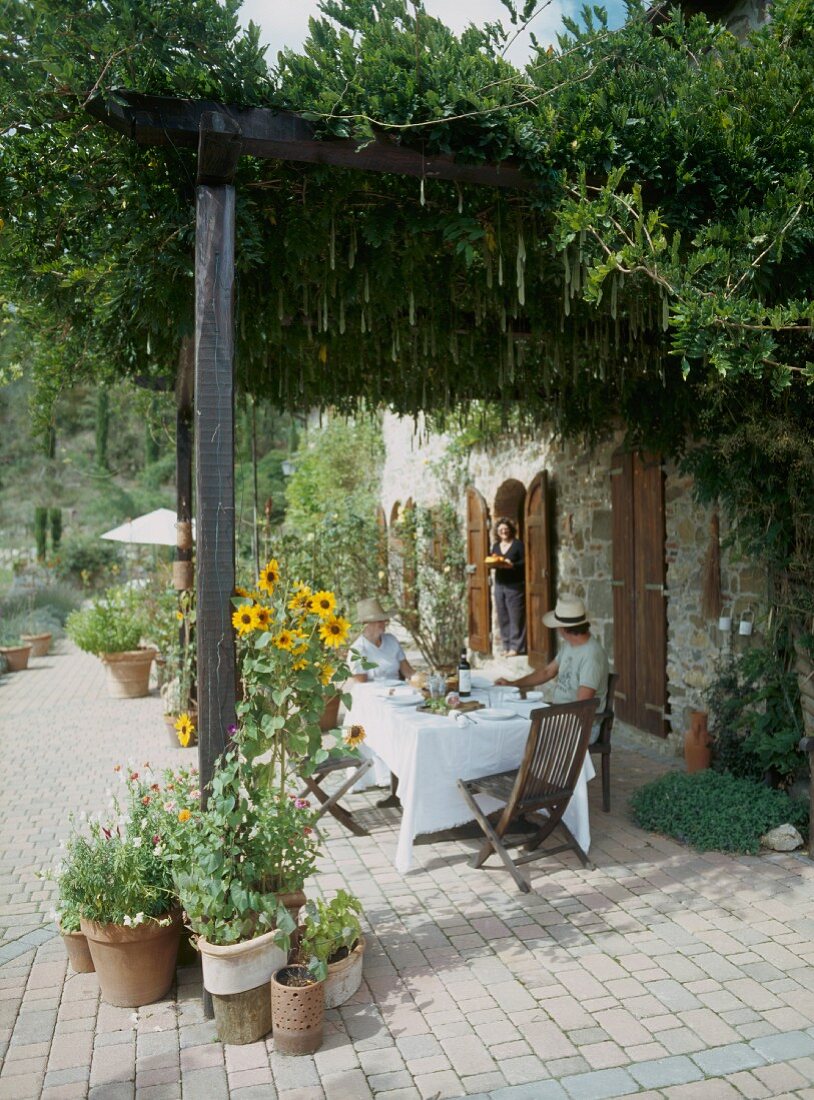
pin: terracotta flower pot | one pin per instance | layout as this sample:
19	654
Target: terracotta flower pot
135	966
297	1011
16	656
40	643
128	673
345	976
76	944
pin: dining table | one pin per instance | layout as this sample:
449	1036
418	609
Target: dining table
430	752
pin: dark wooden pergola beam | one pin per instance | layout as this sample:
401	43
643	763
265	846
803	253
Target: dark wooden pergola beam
281	135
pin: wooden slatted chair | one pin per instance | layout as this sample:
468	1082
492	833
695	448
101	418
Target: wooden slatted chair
546	780
329	803
602	745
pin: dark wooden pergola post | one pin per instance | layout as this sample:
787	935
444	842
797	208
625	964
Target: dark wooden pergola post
219	149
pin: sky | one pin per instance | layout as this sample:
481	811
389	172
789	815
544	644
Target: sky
285	22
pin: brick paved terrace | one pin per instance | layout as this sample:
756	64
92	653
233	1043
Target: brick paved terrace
662	973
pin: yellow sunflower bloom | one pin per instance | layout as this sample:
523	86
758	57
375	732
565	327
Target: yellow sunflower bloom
299	665
327	674
243	620
284	640
185	728
354	735
269	576
300	602
239	591
322	604
334	631
261	616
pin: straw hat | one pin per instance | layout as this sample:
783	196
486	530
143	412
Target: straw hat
370	611
569	611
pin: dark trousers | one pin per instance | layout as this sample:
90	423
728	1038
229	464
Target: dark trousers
511	616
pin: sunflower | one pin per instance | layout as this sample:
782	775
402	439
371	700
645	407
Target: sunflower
240	591
322	604
300	602
185	728
284	640
354	736
269	576
327	674
298	666
261	616
243	620
334	631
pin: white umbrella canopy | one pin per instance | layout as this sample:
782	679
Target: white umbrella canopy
156	528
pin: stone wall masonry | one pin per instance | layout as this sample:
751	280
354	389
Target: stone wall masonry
583	551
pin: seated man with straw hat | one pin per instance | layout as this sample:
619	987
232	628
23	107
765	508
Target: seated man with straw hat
581	666
375	647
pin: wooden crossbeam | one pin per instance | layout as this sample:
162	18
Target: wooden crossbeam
282	135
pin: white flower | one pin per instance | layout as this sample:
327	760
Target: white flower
158	849
138	919
136	841
127	922
169	807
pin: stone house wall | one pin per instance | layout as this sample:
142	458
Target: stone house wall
583	551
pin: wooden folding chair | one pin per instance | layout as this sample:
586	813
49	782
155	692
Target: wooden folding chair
329	803
602	745
546	780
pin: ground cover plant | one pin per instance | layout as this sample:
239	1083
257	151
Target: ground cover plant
715	811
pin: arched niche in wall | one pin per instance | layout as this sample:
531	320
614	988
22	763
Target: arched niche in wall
509	503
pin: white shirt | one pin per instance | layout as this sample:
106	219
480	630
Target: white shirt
387	657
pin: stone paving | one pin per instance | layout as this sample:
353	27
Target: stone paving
662	973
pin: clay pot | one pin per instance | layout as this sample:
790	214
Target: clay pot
128	673
16	656
345	976
40	643
135	966
298	1011
76	944
697	751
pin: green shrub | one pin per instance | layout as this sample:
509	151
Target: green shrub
53	602
86	559
715	811
114	624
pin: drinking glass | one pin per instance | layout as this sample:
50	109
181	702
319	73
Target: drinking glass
437	684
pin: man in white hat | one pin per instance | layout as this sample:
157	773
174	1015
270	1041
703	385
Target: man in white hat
581	666
377	649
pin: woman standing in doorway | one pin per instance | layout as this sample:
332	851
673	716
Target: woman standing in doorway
510	587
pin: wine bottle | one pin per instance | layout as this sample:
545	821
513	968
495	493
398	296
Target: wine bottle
464	676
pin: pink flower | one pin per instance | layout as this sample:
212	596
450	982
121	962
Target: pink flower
301	803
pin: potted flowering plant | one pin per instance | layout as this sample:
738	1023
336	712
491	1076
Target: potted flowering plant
331	940
15	650
250	852
117	875
111	628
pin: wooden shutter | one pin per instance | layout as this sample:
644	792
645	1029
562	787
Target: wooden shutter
639	573
651	626
382	554
540	639
477	548
623	583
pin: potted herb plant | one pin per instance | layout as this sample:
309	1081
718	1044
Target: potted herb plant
14	649
331	935
117	875
111	628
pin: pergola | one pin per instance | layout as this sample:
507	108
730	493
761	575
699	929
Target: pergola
222	134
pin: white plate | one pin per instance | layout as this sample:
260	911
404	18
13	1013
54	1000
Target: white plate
406	700
491	714
388	683
533	696
505	691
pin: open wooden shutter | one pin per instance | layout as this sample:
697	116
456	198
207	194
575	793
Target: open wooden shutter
477	548
382	554
639	573
540	639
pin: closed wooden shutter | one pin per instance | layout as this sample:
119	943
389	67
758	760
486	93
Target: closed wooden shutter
477	548
639	573
540	639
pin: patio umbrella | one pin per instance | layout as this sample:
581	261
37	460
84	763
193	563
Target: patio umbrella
156	528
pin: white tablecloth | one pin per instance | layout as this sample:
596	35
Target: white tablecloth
430	753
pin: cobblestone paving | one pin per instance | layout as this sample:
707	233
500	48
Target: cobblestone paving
662	973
